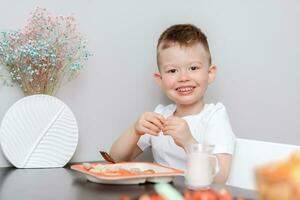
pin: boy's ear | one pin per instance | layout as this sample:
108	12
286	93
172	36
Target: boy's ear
157	78
212	72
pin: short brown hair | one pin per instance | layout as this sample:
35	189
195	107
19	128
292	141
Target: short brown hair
185	35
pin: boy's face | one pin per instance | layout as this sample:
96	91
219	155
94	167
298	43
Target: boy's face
184	73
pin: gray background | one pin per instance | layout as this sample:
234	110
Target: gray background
255	44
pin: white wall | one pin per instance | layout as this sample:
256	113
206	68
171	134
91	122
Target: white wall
254	43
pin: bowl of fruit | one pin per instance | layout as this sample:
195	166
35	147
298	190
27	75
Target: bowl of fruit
280	180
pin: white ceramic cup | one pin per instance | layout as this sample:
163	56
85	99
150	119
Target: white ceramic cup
201	166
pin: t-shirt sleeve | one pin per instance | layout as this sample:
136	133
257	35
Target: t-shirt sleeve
144	142
219	131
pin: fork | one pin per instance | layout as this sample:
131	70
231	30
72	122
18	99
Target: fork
107	157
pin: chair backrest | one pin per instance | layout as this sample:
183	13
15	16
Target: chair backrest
250	154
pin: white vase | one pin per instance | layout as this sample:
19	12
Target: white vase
39	131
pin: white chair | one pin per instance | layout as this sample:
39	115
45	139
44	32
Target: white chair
250	154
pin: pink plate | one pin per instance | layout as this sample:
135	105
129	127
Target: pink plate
161	174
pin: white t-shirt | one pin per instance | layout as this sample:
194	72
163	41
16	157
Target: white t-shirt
211	124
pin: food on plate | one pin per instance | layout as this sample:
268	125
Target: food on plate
280	180
116	170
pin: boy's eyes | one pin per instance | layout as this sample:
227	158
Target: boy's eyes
171	71
193	68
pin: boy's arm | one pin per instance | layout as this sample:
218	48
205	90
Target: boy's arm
125	148
225	163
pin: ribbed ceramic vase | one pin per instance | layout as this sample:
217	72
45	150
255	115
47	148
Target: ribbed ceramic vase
39	131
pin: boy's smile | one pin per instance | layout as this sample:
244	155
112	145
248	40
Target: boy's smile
185	90
184	73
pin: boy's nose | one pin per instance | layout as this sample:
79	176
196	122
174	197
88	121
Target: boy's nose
183	76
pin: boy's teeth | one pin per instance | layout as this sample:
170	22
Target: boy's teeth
184	89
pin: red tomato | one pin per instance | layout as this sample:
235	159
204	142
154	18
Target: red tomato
187	195
156	197
224	195
205	195
124	198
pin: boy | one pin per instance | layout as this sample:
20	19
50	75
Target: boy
184	73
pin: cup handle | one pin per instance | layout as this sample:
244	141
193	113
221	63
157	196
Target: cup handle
217	167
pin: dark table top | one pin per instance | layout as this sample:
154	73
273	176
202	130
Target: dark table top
63	183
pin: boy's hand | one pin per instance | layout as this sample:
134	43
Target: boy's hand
149	122
179	130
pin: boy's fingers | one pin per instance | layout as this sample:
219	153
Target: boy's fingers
173	122
170	123
154	119
169	129
157	122
151	126
167	133
151	132
160	118
148	131
143	128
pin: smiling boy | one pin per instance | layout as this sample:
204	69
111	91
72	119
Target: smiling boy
184	73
